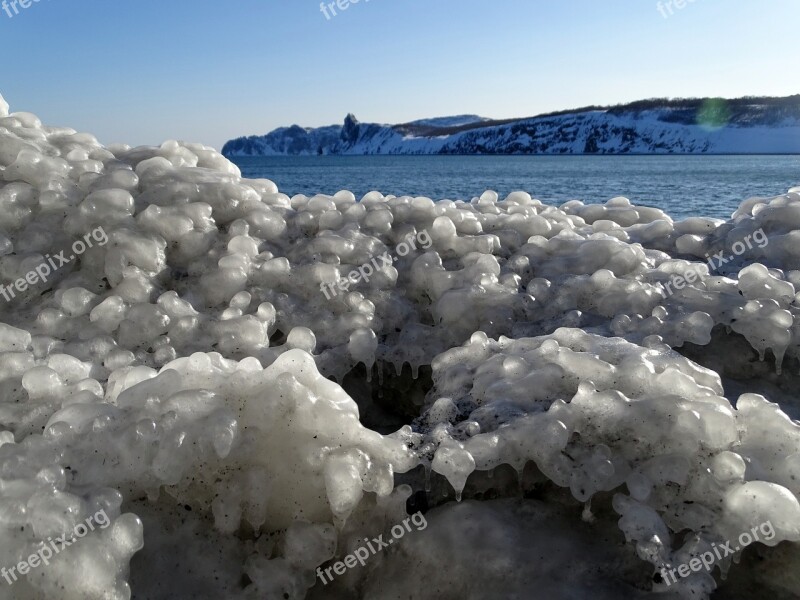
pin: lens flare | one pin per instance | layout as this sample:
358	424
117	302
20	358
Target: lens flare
713	114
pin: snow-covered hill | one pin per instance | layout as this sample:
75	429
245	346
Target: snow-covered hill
746	125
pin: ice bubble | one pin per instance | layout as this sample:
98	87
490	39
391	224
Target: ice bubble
455	464
755	503
13	339
77	301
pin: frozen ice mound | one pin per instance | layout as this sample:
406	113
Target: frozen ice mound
251	383
598	414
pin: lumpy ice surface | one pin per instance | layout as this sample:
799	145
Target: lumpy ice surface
208	371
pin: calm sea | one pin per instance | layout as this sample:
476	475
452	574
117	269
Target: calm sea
681	185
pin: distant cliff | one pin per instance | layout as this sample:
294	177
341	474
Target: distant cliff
692	126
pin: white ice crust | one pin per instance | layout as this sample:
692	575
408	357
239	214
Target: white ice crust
194	361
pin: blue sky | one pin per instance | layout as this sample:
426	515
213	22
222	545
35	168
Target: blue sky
142	71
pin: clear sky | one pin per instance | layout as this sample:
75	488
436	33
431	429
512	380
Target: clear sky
142	71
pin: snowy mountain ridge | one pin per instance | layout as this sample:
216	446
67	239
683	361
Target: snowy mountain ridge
692	126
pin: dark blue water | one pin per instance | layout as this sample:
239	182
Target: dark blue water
681	185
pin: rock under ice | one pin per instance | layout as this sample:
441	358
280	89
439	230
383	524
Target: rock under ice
569	427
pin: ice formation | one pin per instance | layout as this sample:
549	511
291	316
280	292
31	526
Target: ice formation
187	374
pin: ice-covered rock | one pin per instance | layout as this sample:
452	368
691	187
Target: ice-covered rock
208	361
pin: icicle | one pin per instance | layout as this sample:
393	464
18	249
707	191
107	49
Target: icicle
779	361
587	515
369	372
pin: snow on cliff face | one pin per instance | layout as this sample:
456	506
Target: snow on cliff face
621	130
250	385
456	121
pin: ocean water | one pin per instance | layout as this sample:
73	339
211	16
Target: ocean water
681	185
